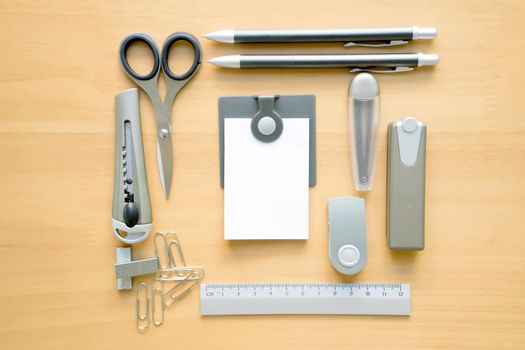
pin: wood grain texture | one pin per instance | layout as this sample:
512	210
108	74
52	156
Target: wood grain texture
59	74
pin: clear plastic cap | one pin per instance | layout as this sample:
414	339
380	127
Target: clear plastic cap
363	97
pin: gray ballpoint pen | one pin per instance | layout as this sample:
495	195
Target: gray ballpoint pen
371	37
398	62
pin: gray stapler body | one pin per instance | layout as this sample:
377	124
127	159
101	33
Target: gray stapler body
406	184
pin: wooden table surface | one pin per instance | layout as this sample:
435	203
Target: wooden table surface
59	74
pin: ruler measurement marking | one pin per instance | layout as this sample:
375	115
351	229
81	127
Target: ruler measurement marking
305	298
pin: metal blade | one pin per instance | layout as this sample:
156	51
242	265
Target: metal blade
165	163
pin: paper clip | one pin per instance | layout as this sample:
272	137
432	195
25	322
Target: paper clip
173	275
142	320
155	293
169	251
182	273
171	260
179	290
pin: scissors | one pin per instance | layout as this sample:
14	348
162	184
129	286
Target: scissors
174	82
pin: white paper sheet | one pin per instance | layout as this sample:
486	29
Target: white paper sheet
266	184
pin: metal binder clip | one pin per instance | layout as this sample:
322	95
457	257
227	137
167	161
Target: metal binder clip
382	70
267	124
378	44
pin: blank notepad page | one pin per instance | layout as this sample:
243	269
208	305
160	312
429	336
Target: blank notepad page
266	184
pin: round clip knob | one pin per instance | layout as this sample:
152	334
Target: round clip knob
409	124
349	255
267	124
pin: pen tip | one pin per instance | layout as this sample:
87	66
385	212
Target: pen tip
222	36
232	61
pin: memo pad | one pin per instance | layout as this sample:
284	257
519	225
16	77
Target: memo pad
266	181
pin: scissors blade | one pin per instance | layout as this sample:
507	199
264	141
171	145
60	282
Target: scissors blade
165	163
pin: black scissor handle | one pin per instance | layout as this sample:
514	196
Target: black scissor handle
127	42
172	39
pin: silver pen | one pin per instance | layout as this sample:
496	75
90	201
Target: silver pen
370	37
398	62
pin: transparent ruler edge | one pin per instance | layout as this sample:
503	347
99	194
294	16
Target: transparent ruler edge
323	298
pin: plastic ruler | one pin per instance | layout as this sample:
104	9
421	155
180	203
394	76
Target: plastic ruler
305	298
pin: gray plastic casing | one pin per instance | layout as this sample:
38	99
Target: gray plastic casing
288	106
347	227
405	191
127	109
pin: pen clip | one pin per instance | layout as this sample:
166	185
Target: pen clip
379	44
383	70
